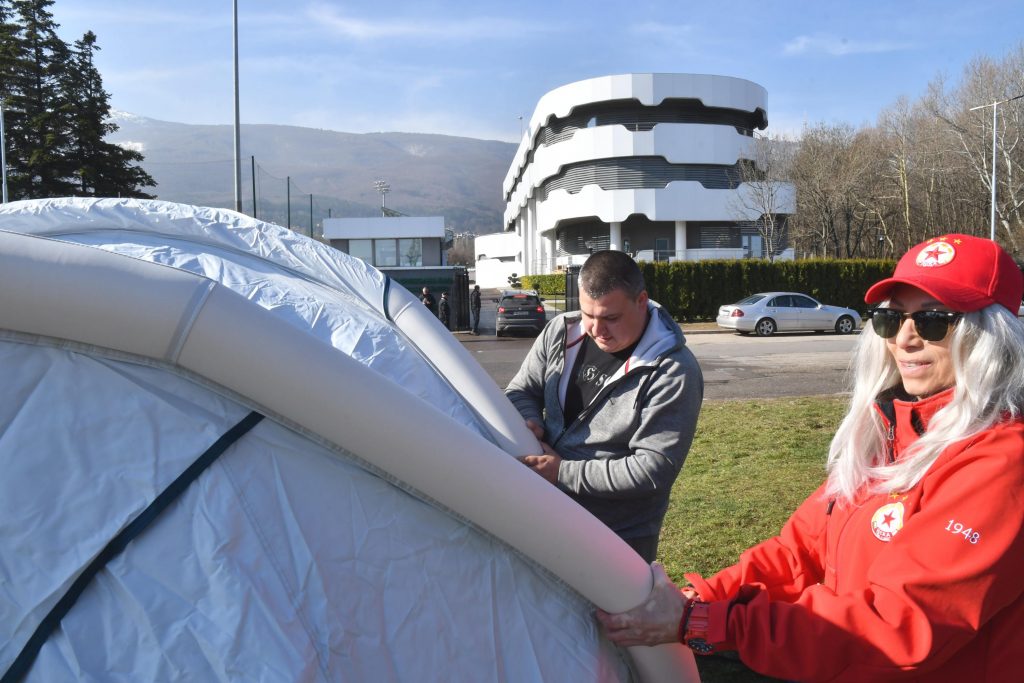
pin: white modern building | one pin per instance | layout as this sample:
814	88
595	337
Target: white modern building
650	164
498	256
390	241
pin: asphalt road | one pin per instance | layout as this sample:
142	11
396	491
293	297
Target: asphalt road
734	366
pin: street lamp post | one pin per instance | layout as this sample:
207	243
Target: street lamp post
3	151
383	188
237	132
995	109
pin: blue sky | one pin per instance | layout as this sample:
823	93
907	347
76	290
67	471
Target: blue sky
473	68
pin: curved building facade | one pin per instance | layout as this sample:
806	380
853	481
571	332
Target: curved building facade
650	164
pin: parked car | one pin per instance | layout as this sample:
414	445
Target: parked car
770	312
519	309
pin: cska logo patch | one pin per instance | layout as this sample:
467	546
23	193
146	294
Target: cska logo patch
936	254
887	521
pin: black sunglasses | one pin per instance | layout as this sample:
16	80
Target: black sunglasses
931	326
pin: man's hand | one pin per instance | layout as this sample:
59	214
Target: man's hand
545	465
535	427
654	621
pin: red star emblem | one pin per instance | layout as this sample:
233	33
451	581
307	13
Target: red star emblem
933	253
888	519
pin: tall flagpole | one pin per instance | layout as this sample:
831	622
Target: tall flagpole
238	142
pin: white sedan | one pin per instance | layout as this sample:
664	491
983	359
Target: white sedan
771	312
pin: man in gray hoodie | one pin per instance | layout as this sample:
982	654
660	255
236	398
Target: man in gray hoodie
613	393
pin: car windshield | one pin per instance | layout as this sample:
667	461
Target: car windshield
520	300
753	299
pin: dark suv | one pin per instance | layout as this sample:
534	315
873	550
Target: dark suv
519	310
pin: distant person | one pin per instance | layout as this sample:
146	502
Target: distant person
474	308
906	564
428	300
444	310
613	393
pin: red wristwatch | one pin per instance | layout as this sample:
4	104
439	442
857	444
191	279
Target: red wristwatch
695	628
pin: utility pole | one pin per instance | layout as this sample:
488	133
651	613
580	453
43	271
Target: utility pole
995	109
252	161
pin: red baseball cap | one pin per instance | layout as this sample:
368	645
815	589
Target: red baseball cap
963	272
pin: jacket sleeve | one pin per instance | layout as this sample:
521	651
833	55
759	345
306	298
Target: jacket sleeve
658	446
526	390
946	574
784	566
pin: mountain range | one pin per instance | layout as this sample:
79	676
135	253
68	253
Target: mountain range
428	175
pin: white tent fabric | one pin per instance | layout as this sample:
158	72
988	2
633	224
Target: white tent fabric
291	557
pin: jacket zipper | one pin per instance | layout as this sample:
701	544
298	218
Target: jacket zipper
607	389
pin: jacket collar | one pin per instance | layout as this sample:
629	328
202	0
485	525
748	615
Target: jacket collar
907	419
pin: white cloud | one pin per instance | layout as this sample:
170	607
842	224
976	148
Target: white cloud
838	47
478	28
661	30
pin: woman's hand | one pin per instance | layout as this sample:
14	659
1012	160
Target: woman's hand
653	622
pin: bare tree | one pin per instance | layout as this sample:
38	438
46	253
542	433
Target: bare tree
829	172
463	250
765	195
987	81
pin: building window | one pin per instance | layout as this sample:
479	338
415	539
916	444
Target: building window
410	251
661	250
361	249
384	253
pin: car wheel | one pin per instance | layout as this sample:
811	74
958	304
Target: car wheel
498	332
765	327
845	325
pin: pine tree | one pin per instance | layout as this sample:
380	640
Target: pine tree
38	130
56	112
12	58
100	167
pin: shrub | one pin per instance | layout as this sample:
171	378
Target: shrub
694	290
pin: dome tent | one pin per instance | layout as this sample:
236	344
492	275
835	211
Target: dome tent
372	527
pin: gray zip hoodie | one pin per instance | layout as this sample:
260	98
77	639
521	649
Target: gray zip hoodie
623	452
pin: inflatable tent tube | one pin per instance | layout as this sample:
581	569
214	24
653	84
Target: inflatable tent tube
88	295
56	218
421	328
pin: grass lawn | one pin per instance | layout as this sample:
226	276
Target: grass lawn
751	464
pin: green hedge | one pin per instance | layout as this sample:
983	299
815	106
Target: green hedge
693	290
546	285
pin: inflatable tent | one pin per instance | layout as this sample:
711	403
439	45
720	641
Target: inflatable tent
230	452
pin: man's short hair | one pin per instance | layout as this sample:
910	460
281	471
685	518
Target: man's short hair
606	271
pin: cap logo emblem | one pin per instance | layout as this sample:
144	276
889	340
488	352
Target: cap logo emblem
936	254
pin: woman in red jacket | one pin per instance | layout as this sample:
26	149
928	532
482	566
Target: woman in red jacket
907	564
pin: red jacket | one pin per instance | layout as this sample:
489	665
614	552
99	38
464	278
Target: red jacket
926	585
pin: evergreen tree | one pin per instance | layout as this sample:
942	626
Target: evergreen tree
100	167
56	112
12	58
38	137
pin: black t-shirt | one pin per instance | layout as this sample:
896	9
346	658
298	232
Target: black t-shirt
590	371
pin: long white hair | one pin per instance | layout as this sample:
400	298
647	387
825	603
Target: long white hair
987	349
